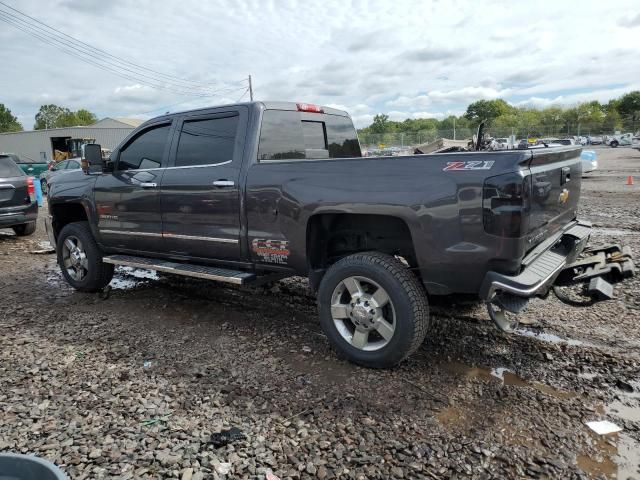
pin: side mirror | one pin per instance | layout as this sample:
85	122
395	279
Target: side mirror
92	161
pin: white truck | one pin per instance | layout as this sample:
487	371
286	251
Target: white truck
619	139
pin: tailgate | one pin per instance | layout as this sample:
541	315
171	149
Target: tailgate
13	192
556	175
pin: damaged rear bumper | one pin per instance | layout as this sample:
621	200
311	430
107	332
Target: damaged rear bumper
541	266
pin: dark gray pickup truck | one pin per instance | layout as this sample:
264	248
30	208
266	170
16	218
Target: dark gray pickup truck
258	191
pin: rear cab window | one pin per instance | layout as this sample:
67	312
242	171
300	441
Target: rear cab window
293	135
8	167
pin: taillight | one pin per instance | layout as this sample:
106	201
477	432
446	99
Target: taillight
505	205
309	107
31	189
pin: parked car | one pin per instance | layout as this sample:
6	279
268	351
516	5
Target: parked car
635	141
589	161
18	206
59	168
564	141
584	141
623	139
27	165
595	140
263	190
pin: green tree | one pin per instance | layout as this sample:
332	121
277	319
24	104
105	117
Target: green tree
54	116
380	123
487	110
49	116
629	105
8	123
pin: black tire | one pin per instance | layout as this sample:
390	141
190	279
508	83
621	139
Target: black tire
44	186
98	274
25	229
407	298
614	144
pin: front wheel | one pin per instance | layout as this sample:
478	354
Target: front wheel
373	309
80	259
614	144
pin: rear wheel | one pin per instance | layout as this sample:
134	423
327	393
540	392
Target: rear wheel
373	309
80	259
614	144
25	229
45	187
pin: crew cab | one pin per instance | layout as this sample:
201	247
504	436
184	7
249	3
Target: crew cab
256	191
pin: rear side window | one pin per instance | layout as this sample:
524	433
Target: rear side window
299	135
8	167
206	142
146	150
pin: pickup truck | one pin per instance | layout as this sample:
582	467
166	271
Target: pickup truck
263	190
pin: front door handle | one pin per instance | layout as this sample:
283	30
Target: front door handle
224	183
148	185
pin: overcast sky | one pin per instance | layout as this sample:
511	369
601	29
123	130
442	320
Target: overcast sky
404	58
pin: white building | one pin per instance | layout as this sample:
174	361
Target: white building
39	145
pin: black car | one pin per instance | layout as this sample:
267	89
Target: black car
18	207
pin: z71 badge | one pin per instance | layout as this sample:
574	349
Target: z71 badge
271	251
470	165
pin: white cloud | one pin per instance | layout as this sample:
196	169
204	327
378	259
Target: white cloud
421	59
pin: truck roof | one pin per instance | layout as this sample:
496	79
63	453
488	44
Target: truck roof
265	105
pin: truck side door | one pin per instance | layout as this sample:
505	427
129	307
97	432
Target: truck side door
128	199
200	192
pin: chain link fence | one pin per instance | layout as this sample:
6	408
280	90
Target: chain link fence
401	141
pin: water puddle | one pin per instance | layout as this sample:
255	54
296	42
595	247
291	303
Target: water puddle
126	278
615	231
506	377
550	338
618	454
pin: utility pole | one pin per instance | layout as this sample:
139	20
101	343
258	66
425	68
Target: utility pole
250	89
454	128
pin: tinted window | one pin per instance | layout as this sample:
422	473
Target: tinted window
73	165
8	168
61	166
145	151
314	136
296	135
204	142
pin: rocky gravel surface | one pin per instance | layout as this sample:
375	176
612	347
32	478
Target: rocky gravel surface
133	386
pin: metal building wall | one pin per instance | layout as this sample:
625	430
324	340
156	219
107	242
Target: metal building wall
30	144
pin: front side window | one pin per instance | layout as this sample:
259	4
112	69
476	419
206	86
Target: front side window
8	167
146	150
207	142
299	135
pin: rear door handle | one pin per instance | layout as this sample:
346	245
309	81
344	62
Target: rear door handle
224	183
148	185
565	175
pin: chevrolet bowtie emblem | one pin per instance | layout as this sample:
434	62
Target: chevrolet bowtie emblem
564	196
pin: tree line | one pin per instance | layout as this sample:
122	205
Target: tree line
590	117
48	116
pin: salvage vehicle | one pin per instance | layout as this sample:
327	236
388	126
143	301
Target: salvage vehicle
635	141
27	165
59	168
617	140
259	191
18	206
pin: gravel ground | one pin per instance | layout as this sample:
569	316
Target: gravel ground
133	386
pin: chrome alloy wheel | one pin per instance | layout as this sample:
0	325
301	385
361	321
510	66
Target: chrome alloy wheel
363	313
74	258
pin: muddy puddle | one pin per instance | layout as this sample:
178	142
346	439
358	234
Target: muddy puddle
126	278
615	231
550	338
505	376
618	454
